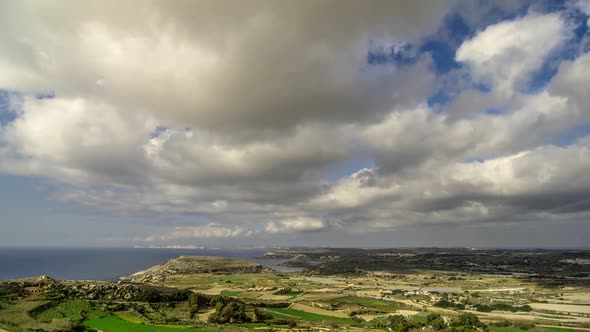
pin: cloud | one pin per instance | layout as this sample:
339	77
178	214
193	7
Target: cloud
571	80
296	225
75	140
203	157
420	137
219	204
263	65
503	55
545	181
253	111
240	114
202	232
355	191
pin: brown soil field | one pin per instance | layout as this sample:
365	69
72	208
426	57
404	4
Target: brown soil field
583	309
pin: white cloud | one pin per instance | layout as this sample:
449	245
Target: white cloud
572	81
295	225
202	232
219	204
355	191
75	140
505	54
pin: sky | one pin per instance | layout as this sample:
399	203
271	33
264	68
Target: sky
325	123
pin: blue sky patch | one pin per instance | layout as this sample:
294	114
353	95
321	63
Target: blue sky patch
6	113
442	54
159	130
438	99
495	111
574	134
344	169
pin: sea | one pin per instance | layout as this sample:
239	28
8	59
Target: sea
107	264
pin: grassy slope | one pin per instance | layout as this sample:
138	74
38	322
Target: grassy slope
368	302
291	313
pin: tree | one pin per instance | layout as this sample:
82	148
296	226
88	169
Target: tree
398	323
198	300
232	312
436	322
467	322
467	319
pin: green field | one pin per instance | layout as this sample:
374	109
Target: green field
114	324
559	329
70	309
292	313
293	294
535	329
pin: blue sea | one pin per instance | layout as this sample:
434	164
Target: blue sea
104	263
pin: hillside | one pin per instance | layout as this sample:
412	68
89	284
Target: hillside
187	265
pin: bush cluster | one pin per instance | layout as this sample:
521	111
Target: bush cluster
232	312
444	303
501	307
466	322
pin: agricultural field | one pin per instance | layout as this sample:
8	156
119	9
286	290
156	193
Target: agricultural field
115	324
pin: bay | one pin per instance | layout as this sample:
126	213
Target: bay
106	264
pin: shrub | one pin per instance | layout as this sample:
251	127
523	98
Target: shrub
501	307
398	323
280	322
283	291
444	303
259	315
524	326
